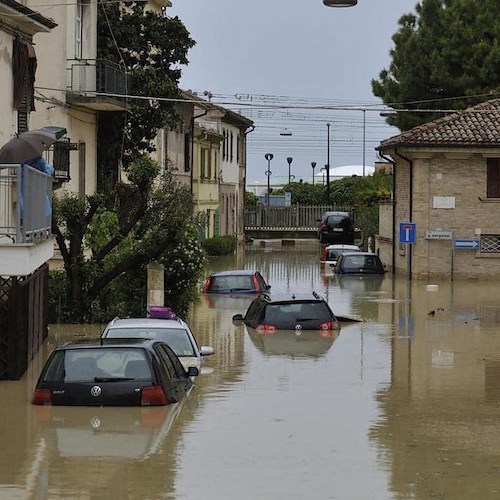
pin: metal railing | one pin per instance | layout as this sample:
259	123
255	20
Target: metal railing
25	204
291	217
97	75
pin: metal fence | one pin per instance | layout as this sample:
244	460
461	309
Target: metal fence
25	204
291	217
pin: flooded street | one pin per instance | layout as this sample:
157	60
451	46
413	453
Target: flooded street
403	405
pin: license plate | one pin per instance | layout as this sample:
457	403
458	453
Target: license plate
337	230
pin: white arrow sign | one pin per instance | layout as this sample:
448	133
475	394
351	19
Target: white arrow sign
471	244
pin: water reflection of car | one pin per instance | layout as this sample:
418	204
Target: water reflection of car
175	332
113	372
359	285
235	281
289	312
293	343
106	433
227	302
359	263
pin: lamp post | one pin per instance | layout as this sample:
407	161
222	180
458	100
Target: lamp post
364	140
313	165
289	161
327	166
340	3
268	157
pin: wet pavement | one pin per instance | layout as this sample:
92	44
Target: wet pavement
403	405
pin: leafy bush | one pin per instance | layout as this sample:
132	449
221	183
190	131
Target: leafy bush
220	245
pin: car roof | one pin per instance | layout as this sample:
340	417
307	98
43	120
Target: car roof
294	297
360	254
234	272
107	343
146	323
336	213
340	246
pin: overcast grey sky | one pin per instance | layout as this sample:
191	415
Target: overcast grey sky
279	61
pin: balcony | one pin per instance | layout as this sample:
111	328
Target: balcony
26	240
88	79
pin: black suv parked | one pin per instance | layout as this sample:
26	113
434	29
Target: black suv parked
285	312
336	227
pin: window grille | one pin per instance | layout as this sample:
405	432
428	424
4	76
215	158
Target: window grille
490	243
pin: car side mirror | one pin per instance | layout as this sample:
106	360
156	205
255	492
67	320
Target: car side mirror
237	319
192	371
206	350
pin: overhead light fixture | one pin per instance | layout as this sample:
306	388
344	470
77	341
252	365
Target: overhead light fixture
340	3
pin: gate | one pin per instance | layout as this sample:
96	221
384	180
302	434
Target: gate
23	321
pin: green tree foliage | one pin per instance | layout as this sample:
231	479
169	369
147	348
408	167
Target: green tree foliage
304	193
445	56
151	48
106	242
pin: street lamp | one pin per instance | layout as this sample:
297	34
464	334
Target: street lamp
268	157
313	165
327	166
340	3
289	161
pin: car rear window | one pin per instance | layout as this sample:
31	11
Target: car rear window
87	365
288	315
364	262
177	338
235	283
339	221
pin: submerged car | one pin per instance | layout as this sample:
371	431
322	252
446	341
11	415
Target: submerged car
330	253
113	372
235	281
289	312
359	263
175	332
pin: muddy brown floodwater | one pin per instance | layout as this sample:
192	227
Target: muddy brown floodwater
403	405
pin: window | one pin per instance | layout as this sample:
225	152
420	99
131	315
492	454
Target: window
490	243
493	178
231	147
205	163
79	30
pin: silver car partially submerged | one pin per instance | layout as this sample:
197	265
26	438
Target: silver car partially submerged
175	332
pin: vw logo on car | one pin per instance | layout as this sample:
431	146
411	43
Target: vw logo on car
95	391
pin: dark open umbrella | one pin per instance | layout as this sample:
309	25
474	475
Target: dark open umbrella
30	144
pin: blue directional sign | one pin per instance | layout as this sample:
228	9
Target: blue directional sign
467	243
407	232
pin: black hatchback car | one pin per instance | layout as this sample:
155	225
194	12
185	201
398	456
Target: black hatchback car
336	227
113	372
289	312
359	263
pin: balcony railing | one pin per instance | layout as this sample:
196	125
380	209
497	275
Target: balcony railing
25	204
90	76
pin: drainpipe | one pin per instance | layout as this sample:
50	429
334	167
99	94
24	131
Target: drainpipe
410	162
251	128
393	163
192	144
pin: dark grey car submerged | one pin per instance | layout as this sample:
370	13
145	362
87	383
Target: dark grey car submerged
119	372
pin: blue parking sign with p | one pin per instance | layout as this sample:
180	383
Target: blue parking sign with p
407	232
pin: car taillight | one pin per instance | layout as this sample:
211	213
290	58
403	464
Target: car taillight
153	396
329	325
256	284
206	284
324	227
42	397
266	329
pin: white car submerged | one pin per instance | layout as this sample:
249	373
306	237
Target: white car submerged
175	332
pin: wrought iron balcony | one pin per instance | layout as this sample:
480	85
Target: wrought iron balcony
89	79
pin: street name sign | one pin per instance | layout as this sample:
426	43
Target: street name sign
438	235
467	243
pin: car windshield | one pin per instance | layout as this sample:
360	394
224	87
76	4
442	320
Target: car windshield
93	365
361	262
222	283
288	315
177	338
